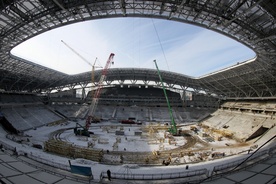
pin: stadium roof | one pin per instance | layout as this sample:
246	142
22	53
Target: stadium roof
251	22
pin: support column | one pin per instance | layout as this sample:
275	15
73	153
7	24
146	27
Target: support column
83	95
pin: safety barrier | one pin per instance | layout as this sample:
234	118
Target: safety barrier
199	174
234	166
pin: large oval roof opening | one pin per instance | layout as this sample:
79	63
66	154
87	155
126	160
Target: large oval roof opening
136	42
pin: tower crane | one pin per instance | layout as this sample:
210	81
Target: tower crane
173	129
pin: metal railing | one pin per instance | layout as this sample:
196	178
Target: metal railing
231	165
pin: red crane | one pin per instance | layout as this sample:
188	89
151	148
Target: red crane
95	99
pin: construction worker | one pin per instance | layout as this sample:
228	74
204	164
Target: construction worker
108	172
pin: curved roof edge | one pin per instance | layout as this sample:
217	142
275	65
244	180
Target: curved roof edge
249	22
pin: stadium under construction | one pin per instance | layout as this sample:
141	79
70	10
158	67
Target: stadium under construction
142	125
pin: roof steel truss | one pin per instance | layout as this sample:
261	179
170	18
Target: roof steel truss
251	22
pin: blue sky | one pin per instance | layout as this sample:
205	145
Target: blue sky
136	42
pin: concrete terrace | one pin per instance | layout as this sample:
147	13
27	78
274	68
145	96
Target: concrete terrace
20	169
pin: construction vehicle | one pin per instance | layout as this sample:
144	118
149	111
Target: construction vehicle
91	112
95	97
80	130
172	129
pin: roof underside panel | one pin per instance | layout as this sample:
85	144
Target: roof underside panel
250	22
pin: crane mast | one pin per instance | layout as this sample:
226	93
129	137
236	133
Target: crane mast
97	94
173	129
93	76
95	97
